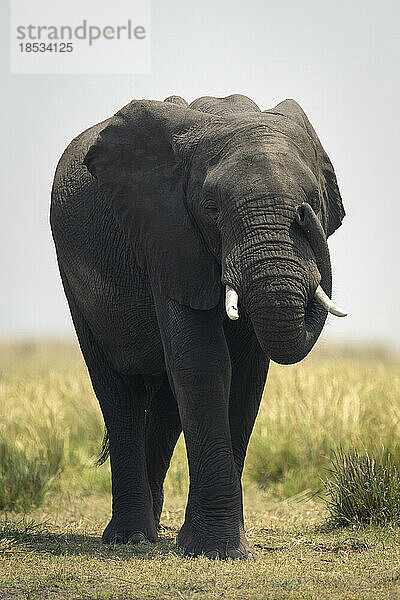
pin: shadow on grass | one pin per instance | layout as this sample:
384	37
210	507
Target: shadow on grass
31	536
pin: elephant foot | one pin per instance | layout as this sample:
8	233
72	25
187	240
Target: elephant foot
122	530
184	538
220	549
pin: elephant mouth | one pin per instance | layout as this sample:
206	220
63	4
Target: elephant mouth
288	317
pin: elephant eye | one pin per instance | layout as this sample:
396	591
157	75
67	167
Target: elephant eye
316	203
211	208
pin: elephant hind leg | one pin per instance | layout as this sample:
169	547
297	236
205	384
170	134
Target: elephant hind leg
123	402
163	427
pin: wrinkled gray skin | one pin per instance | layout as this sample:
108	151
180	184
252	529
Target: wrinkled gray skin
153	211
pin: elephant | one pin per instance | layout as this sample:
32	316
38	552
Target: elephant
192	246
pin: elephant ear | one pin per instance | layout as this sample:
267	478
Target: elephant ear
137	169
332	206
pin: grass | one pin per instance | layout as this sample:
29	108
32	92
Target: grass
350	401
363	489
56	502
25	477
56	553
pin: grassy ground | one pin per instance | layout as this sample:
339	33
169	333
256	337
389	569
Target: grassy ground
56	552
50	430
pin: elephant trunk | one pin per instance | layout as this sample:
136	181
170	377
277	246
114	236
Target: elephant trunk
286	318
276	284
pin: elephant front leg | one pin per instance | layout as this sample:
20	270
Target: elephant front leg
249	373
198	365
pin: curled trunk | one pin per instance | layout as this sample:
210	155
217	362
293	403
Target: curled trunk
276	283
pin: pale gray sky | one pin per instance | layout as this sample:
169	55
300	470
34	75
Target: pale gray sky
339	60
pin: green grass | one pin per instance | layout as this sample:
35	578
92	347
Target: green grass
25	476
363	489
56	502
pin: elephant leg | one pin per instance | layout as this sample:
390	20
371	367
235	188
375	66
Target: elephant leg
132	507
249	373
123	401
198	365
163	428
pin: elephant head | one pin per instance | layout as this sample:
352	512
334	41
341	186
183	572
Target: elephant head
220	193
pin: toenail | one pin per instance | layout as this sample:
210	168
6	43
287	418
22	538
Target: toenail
235	554
212	555
136	538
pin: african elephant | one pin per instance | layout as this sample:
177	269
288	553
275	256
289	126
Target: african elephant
160	215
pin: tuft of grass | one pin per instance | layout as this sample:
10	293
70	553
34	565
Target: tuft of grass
25	478
50	425
363	489
32	453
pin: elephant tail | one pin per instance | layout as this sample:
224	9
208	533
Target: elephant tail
105	449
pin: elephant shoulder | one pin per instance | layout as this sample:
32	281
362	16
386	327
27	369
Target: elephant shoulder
71	176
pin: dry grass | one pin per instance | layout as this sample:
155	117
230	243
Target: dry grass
56	553
326	402
49	418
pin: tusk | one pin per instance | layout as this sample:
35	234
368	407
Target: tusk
231	302
327	303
